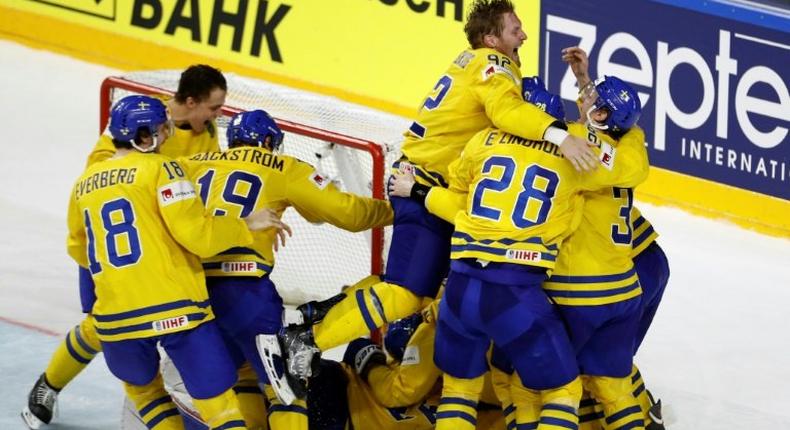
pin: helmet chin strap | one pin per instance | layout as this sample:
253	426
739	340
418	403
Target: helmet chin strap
152	148
593	123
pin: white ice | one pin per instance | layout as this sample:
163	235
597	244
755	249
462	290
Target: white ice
718	352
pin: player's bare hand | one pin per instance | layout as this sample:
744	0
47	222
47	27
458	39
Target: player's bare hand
265	219
578	62
400	184
579	152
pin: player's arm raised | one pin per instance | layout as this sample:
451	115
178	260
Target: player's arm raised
508	111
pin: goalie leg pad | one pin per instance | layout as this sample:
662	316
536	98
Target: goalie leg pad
286	387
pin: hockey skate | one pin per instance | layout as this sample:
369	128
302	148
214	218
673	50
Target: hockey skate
41	404
290	359
314	311
657	420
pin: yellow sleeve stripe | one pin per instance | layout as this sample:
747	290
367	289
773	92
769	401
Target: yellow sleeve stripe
593	290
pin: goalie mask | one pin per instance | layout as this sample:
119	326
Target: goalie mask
547	102
134	114
619	100
253	128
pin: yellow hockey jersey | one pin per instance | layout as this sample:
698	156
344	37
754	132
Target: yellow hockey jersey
480	89
181	143
595	265
243	179
643	234
522	197
136	222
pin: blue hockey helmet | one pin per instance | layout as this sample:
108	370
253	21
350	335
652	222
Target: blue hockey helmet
547	102
134	113
530	84
399	333
620	100
253	127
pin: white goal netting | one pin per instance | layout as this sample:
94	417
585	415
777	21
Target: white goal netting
328	133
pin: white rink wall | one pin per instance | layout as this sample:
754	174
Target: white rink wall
717	353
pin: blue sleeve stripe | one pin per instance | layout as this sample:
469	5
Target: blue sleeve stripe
592	279
509	409
636	376
527	426
241	250
292	408
363	308
74	353
456	414
559	422
617	416
150	407
638	222
511	425
593	294
235	424
458	401
642	237
84	345
417	129
143	326
562	408
151	310
378	305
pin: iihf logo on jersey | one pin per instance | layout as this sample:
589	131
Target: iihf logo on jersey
169	324
523	255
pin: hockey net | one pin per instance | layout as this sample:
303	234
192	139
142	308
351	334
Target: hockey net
347	143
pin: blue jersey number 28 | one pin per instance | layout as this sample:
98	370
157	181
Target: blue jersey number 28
528	192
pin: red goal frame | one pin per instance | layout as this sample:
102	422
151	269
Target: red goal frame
376	151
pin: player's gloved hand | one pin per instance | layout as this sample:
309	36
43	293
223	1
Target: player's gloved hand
363	354
579	152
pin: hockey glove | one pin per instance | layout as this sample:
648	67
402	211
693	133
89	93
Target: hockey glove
362	354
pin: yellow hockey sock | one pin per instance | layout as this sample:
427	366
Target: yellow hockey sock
620	408
364	309
221	411
527	403
501	382
155	406
282	417
559	410
590	413
458	406
639	391
252	403
73	354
